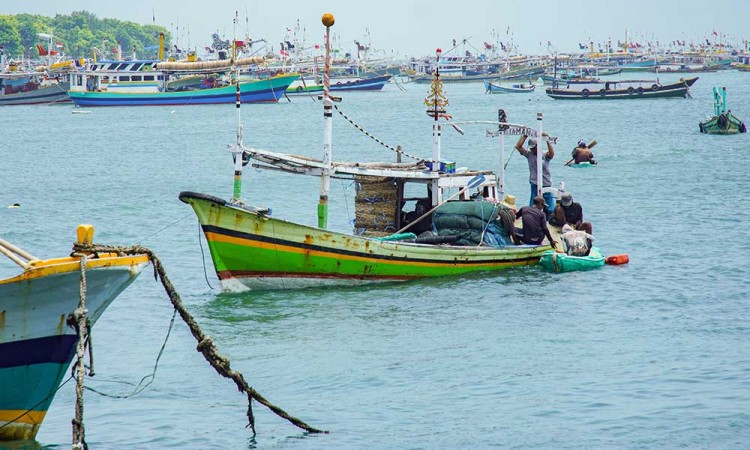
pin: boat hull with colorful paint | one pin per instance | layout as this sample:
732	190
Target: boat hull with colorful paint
262	91
252	250
36	345
304	87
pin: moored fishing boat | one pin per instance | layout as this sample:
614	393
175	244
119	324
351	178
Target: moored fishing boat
723	121
251	249
623	89
268	90
359	84
498	88
32	89
36	345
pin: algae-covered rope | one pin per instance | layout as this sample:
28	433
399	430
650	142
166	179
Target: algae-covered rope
205	345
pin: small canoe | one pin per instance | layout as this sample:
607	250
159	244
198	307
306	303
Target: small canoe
583	165
561	262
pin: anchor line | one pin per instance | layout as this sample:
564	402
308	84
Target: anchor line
206	346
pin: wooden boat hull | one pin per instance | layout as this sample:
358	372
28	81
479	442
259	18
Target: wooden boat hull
677	90
729	124
251	250
50	94
262	91
36	345
561	262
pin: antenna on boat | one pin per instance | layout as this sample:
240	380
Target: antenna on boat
325	178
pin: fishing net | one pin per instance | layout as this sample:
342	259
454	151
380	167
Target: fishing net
375	206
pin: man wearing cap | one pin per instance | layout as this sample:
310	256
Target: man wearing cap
534	223
570	212
530	155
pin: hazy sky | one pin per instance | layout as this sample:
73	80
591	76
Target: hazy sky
417	27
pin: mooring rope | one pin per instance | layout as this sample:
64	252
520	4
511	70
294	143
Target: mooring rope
205	346
389	147
78	319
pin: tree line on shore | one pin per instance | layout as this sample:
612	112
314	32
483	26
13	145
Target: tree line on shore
77	35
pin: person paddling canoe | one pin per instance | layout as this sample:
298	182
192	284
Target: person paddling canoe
582	153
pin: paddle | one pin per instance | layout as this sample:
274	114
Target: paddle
591	145
474	182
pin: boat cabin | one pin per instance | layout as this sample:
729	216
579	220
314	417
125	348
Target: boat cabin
120	76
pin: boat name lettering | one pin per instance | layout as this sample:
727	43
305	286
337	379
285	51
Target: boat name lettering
515	130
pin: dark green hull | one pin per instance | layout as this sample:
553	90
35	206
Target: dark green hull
726	123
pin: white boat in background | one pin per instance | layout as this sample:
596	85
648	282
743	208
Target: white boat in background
515	88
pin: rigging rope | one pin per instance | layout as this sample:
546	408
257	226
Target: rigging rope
206	346
390	147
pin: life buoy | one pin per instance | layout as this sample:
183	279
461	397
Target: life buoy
338	83
602	92
654	87
640	91
585	92
631	90
299	88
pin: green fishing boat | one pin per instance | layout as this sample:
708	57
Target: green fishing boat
561	262
251	249
723	121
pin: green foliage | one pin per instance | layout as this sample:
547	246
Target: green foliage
80	32
9	35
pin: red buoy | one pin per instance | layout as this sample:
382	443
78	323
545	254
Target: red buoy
616	260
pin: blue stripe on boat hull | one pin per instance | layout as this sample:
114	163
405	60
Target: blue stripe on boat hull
51	349
31	387
266	95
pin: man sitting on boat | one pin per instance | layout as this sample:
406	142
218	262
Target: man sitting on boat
582	153
576	242
530	156
534	223
571	213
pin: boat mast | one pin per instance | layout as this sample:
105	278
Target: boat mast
436	110
501	118
325	178
539	155
237	151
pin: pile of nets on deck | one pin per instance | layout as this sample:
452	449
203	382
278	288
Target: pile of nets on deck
475	223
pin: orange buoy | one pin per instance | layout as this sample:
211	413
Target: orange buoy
616	260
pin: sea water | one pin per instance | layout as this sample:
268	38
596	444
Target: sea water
654	354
